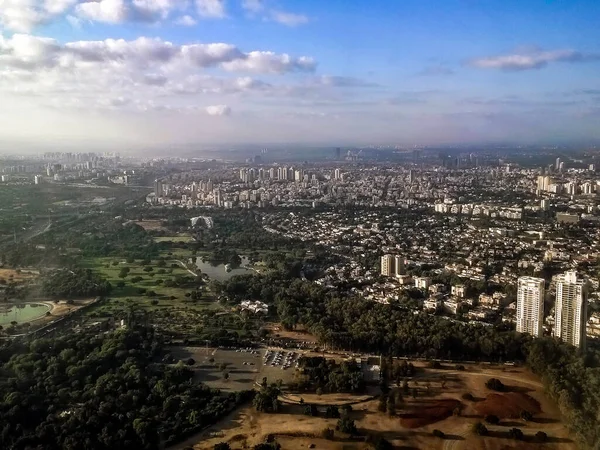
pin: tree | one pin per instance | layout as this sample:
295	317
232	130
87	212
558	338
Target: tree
516	434
492	419
495	384
479	429
526	415
540	436
346	425
332	412
124	272
222	446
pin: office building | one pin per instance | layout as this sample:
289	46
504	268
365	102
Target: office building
388	266
158	188
530	305
570	309
399	265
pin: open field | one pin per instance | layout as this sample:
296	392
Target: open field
150	225
16	276
173	239
431	403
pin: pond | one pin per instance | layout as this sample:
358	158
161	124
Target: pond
218	271
22	313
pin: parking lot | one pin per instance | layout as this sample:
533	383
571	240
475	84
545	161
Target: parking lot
235	369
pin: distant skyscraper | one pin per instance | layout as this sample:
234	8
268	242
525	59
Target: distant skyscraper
530	305
158	188
570	309
557	165
411	176
387	266
338	153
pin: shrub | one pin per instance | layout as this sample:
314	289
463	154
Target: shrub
435	365
479	429
327	433
526	415
346	425
222	446
540	436
468	396
383	444
516	434
492	419
459	367
438	433
495	384
332	412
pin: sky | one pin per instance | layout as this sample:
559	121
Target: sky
127	73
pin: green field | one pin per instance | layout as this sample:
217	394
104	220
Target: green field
169	309
173	239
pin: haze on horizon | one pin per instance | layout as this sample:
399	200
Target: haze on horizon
156	72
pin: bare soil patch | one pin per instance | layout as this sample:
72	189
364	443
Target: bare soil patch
16	276
428	412
150	225
508	405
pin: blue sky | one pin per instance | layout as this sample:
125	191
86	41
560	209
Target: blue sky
158	72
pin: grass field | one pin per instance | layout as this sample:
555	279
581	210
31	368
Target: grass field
415	419
173	239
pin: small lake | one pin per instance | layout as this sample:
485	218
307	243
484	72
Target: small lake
218	272
22	313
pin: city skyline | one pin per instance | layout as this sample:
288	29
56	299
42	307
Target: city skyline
154	72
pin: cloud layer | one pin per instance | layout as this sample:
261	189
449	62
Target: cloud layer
536	59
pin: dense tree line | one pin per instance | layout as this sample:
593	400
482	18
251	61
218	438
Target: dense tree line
74	283
328	376
100	392
573	381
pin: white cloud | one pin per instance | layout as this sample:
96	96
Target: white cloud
24	15
186	21
269	62
211	8
75	22
289	19
218	110
109	11
533	59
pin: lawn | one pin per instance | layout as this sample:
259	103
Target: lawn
173	239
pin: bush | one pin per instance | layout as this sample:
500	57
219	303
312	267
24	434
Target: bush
222	446
540	436
468	396
347	409
346	425
190	361
526	415
438	433
435	365
516	434
459	367
492	419
332	412
328	433
383	444
495	384
311	410
479	429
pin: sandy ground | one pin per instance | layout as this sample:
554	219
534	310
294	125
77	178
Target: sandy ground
295	430
25	274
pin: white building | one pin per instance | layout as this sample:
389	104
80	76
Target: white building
458	291
422	282
388	266
530	305
570	309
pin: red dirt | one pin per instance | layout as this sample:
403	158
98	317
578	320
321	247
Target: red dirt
426	413
508	405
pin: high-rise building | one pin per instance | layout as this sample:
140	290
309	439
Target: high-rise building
158	188
557	165
387	265
530	305
399	265
338	152
411	176
337	174
570	309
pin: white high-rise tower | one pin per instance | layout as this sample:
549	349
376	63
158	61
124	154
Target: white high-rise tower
530	305
570	309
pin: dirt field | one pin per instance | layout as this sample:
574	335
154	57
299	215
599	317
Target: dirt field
508	405
150	225
433	396
12	275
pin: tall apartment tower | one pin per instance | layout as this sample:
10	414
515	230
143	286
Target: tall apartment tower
399	265
571	309
158	188
530	306
387	266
